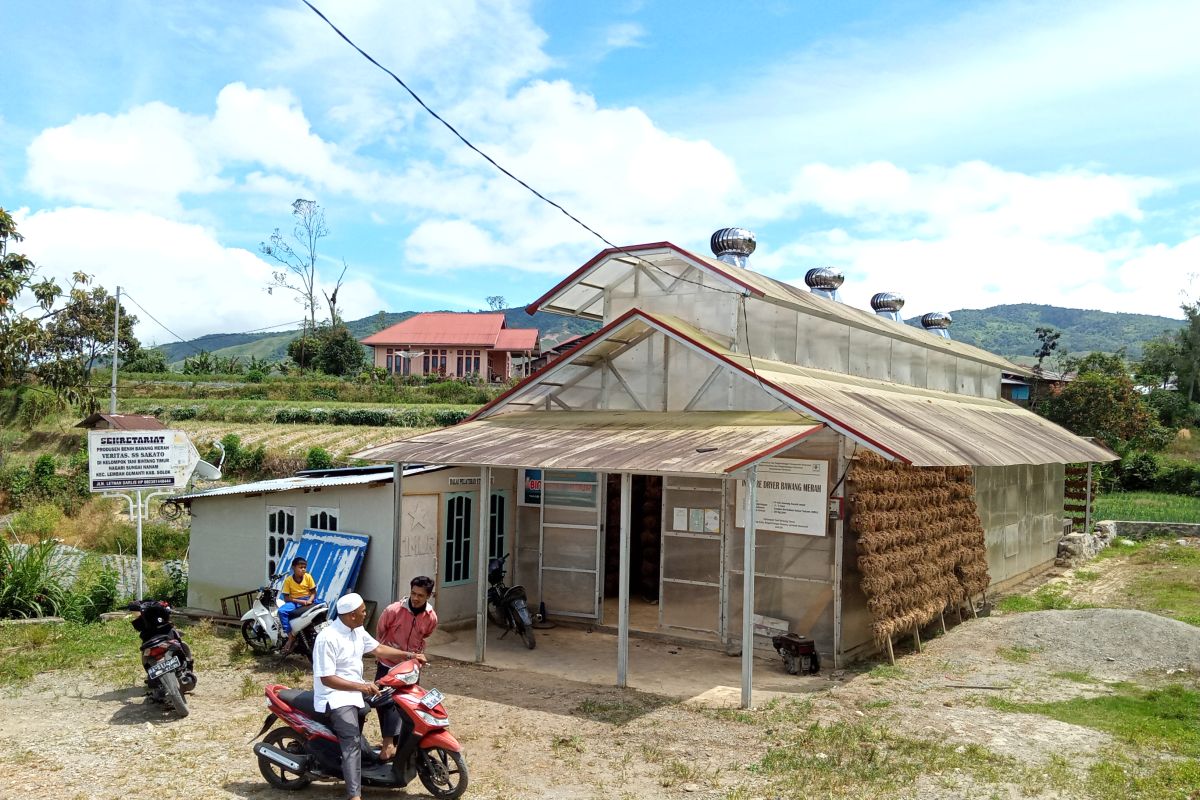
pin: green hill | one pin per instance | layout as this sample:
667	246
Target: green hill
1009	330
1006	330
273	345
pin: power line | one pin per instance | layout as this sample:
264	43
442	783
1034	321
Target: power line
506	172
164	327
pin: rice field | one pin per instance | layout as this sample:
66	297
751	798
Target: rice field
1147	507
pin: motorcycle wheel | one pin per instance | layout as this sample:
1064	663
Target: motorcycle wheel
170	684
256	638
443	773
527	636
287	740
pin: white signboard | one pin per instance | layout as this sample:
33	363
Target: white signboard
150	459
792	497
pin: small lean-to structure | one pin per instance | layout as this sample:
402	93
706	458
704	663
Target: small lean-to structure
730	452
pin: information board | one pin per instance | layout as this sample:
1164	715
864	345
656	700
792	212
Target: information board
792	497
150	459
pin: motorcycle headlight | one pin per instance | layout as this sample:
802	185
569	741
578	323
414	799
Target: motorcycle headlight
430	719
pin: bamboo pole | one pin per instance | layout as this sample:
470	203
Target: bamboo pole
891	654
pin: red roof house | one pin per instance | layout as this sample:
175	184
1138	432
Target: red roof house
454	345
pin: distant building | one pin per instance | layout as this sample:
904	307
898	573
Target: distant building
454	345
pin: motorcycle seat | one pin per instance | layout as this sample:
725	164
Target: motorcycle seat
302	701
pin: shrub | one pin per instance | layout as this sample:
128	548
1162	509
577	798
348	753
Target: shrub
33	580
318	458
179	413
255	376
41	521
37	405
448	416
170	584
94	593
411	418
1138	471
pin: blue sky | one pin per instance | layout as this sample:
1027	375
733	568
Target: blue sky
964	154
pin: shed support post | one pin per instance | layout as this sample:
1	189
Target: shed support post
623	590
397	525
748	590
1087	509
482	538
838	544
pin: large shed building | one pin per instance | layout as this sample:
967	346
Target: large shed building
729	450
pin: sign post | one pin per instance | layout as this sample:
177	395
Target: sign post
138	466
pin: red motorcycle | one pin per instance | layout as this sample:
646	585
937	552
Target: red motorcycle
307	749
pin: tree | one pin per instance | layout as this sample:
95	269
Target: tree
1187	364
340	353
1160	356
304	351
83	332
1048	343
496	302
143	360
298	272
51	344
1103	402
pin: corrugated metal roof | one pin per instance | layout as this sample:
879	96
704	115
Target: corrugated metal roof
123	422
923	427
334	560
453	329
302	482
517	339
611	267
700	443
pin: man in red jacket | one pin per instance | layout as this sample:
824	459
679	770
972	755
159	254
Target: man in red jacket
405	625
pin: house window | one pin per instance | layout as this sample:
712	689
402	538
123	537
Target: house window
435	361
468	362
496	527
458	538
281	528
390	369
323	519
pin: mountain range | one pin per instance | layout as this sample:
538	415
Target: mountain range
1007	330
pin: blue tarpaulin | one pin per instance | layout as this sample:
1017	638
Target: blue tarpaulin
334	560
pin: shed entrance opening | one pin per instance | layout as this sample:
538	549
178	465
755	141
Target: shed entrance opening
645	550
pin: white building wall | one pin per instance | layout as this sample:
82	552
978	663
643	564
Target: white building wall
1021	508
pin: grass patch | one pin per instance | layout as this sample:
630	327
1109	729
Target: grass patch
1144	778
1018	654
1086	575
566	744
29	650
1159	719
1044	598
859	760
885	672
1075	676
1147	507
1167	581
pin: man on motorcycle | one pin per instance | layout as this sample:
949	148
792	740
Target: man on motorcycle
338	685
405	624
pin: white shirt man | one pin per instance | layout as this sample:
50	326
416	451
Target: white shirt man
338	685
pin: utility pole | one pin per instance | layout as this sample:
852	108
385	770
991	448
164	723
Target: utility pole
112	391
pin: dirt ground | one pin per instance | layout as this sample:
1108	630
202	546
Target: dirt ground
71	735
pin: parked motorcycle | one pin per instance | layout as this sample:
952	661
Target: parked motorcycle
307	749
263	632
165	656
507	605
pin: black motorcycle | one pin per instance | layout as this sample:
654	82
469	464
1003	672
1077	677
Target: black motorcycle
165	656
507	605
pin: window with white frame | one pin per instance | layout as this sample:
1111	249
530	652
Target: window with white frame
458	538
281	528
323	519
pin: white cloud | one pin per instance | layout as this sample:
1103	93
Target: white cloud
973	235
624	34
180	272
143	159
147	158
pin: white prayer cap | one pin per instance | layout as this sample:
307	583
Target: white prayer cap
349	602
